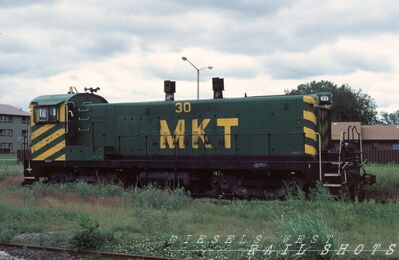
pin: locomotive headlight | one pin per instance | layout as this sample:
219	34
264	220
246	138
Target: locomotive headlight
325	98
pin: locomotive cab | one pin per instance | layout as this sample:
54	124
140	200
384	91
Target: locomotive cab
48	128
53	123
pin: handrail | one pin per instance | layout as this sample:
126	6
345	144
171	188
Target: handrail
341	139
361	148
349	132
360	141
320	164
66	118
320	170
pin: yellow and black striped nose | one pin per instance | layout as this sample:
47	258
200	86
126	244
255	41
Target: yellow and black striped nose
310	124
48	142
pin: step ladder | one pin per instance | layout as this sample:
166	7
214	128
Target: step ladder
334	174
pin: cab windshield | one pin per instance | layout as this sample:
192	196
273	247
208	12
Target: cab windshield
46	114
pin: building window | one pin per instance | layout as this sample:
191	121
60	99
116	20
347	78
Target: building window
376	146
6	146
25	120
395	146
5	119
6	132
24	133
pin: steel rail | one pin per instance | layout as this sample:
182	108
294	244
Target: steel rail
84	252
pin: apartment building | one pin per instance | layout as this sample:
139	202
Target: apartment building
14	125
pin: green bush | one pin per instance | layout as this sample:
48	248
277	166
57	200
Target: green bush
90	235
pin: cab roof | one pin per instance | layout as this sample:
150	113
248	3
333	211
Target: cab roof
52	100
49	100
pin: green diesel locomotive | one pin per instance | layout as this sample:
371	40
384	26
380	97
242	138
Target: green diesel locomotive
250	147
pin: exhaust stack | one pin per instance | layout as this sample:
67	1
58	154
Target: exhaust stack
218	87
170	90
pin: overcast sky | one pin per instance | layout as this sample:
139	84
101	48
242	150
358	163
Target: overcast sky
127	48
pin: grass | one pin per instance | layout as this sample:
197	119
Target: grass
9	166
15	221
387	186
8	156
160	222
7	170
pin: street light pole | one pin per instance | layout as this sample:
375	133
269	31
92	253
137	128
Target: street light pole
198	84
198	73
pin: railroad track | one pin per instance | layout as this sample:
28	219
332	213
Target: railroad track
82	253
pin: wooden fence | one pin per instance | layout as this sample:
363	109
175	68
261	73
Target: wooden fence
382	156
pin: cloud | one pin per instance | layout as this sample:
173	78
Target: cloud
261	47
343	57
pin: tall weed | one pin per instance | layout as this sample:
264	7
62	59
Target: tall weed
154	198
316	235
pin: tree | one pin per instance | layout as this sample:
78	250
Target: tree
349	105
390	118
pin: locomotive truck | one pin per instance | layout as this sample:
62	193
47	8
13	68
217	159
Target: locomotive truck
257	146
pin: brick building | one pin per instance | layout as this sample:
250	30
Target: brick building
14	125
